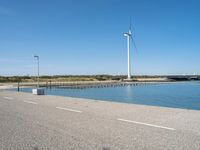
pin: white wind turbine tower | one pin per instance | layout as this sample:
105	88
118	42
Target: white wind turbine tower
129	38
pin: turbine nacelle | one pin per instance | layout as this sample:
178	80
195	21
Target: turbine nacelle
127	34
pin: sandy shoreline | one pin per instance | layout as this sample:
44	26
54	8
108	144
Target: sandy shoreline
6	86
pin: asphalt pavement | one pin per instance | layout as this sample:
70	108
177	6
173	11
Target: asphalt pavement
31	122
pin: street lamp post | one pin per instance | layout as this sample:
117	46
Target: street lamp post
38	61
38	91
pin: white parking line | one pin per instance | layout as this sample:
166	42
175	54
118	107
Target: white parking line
9	98
78	111
30	102
146	124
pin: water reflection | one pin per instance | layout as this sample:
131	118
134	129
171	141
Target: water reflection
130	91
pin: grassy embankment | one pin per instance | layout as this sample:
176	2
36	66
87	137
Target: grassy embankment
66	78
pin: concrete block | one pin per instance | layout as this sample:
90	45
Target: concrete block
38	91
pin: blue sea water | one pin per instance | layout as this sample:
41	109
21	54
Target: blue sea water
184	95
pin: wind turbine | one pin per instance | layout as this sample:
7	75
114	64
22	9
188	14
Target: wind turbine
129	39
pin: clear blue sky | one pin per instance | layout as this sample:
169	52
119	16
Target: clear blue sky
86	36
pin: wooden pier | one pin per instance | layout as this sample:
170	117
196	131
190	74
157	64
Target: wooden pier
101	85
84	85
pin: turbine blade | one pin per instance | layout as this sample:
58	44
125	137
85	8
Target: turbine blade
134	44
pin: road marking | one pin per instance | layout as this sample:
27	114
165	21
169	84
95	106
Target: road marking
73	110
146	124
30	102
9	98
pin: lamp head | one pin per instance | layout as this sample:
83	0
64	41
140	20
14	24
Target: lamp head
35	56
